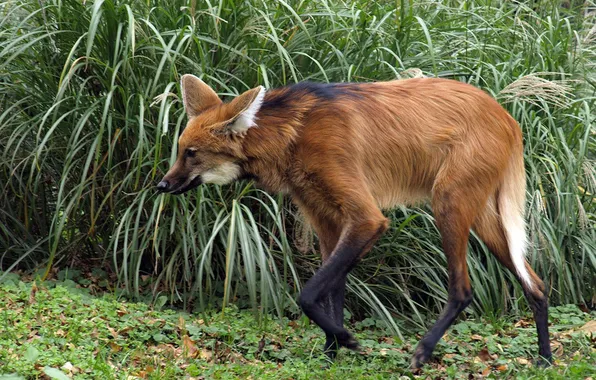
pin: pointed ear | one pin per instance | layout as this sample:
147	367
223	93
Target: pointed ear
244	108
196	95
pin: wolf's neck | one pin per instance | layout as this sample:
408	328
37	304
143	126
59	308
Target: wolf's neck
269	146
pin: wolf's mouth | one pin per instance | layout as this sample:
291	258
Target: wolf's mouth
186	186
189	186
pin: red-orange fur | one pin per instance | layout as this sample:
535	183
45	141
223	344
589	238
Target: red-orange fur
347	151
394	139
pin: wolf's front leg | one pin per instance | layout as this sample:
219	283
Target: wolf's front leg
355	241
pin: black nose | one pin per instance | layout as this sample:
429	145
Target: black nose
163	186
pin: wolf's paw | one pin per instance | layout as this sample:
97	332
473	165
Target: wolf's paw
421	356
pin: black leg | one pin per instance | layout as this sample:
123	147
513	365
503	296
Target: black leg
539	305
489	228
426	346
330	280
334	307
324	287
455	230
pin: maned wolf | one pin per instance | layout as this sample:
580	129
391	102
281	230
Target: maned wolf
345	151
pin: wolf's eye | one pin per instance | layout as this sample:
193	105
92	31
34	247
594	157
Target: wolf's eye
189	153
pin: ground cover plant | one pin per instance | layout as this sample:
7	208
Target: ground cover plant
64	330
89	105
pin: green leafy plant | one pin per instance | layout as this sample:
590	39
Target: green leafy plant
54	331
89	116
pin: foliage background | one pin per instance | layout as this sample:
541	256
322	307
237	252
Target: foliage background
89	114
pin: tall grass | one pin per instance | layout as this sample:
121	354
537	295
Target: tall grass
89	113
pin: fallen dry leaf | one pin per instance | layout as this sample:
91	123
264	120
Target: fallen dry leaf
502	367
206	354
485	356
33	293
68	367
388	340
523	323
167	348
125	330
181	324
557	348
115	347
486	372
94	333
589	327
476	337
190	349
113	332
522	361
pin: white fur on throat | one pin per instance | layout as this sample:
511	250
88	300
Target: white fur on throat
222	175
247	118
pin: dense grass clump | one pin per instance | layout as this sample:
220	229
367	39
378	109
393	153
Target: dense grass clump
89	114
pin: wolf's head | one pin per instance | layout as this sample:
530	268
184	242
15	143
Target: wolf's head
210	147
